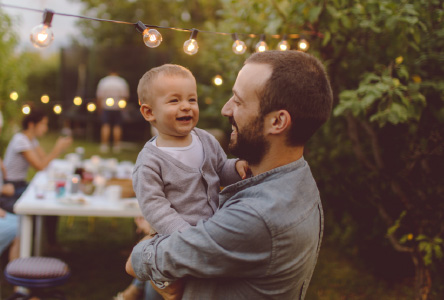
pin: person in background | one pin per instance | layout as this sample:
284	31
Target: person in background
9	222
111	90
23	151
264	238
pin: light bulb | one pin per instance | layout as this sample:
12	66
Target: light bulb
303	45
283	45
14	96
239	46
190	46
152	38
109	102
42	35
44	99
26	109
77	101
91	107
57	109
217	80
121	103
262	45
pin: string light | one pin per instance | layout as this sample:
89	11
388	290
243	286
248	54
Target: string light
42	35
14	96
77	101
44	99
262	45
121	103
57	109
239	46
151	37
109	102
26	109
217	80
91	107
283	45
190	46
303	45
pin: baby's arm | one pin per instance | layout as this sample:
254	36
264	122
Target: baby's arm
156	208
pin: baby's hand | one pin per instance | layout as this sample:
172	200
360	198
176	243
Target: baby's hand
242	168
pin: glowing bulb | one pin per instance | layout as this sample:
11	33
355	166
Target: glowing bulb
26	109
77	101
190	46
121	103
262	45
44	99
14	96
152	38
91	107
109	102
303	45
239	46
217	80
57	109
41	36
283	45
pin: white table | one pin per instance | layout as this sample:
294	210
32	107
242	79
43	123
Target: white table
29	205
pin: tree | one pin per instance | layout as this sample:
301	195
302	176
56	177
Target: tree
385	62
12	70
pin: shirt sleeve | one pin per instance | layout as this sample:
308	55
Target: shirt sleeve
156	208
24	144
235	242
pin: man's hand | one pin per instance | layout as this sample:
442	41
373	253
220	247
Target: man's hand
242	168
172	292
8	189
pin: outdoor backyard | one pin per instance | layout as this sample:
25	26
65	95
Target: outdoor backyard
377	161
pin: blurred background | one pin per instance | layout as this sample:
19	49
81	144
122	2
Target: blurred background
378	161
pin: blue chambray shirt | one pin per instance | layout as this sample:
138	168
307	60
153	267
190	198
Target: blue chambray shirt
262	243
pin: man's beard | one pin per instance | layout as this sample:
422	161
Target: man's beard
250	143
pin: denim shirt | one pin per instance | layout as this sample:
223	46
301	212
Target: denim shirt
262	242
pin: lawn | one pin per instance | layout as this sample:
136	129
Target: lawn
97	249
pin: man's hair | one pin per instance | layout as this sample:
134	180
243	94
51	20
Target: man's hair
299	85
34	117
144	87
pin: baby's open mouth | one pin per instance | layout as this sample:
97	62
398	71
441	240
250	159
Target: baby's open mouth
184	118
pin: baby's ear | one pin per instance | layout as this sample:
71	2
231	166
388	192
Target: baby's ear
147	112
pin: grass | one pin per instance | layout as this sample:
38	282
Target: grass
99	247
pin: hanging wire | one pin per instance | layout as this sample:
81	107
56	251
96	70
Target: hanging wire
276	36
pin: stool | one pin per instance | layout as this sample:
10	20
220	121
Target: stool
39	274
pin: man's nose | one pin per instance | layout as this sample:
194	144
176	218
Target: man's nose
227	109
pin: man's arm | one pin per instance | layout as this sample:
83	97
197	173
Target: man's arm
234	242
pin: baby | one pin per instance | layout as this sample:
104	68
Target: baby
179	172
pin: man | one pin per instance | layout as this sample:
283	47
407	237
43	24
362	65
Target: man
263	241
111	90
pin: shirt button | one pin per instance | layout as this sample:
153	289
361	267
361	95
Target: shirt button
166	283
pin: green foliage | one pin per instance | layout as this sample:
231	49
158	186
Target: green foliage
12	70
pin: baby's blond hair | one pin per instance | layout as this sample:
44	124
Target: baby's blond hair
144	87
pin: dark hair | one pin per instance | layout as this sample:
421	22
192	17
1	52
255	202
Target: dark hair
299	85
34	116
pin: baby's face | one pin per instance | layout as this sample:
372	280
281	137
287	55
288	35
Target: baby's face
174	105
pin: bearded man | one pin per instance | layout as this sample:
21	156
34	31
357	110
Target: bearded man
264	239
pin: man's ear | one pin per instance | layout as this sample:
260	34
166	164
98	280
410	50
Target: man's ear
147	112
279	121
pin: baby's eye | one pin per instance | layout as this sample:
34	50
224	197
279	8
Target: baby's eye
173	101
192	100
